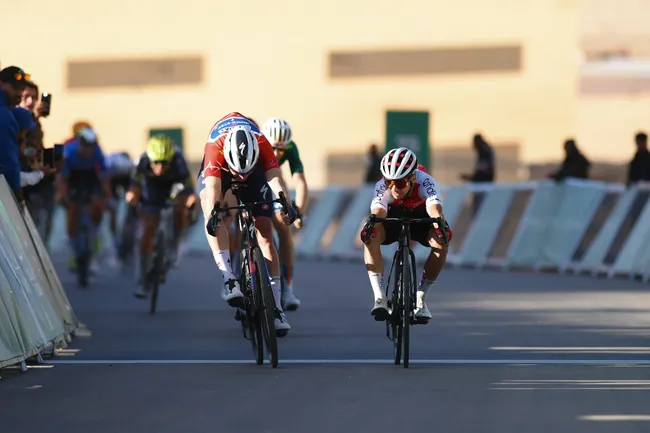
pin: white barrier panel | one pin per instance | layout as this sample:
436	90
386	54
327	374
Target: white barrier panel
343	244
39	323
57	294
12	349
321	215
634	245
487	222
525	248
577	206
594	257
35	313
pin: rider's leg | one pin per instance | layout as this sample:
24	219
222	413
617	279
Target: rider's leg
375	266
97	207
432	268
149	217
234	235
264	227
73	213
221	252
286	254
181	222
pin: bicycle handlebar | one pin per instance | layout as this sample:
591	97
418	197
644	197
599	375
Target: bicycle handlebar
373	219
213	221
407	220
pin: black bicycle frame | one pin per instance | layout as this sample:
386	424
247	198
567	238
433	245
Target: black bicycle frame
246	222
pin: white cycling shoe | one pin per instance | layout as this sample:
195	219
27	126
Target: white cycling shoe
281	323
289	300
380	310
422	313
232	294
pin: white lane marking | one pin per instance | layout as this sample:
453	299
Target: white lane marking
614	417
522	362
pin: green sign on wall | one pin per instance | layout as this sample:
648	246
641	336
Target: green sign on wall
176	134
409	129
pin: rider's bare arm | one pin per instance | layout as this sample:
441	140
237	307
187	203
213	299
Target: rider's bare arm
274	179
301	191
211	194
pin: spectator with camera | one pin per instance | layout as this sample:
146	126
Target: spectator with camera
39	196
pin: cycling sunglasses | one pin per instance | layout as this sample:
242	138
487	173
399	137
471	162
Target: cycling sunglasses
399	183
161	161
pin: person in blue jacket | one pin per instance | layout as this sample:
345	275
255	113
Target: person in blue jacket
12	83
83	179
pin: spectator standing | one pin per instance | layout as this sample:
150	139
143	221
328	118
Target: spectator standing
485	167
639	168
483	170
575	164
12	82
373	162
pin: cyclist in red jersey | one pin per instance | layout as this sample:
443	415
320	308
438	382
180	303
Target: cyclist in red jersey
236	150
407	185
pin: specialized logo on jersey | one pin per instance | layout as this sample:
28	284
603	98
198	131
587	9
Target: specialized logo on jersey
229	123
264	190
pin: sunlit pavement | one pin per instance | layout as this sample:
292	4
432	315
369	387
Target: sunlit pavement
503	353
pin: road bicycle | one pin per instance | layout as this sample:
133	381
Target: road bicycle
402	300
258	310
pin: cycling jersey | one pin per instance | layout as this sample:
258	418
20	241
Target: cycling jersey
74	162
155	190
291	154
214	161
423	193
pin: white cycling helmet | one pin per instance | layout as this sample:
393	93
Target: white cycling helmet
120	162
277	131
398	163
241	149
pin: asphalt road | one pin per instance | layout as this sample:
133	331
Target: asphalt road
504	353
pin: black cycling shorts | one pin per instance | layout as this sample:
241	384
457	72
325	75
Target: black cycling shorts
120	182
419	231
255	188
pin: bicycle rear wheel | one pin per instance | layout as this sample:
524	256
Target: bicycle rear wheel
83	253
407	303
156	270
265	303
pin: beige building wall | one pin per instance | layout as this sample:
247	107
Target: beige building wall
613	106
273	58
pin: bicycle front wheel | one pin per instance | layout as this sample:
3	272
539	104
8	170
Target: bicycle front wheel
154	275
397	311
252	322
407	303
265	305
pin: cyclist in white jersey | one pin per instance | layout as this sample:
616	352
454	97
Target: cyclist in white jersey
416	194
119	167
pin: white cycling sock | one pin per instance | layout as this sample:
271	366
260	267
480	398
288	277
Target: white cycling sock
276	286
425	286
377	283
222	258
